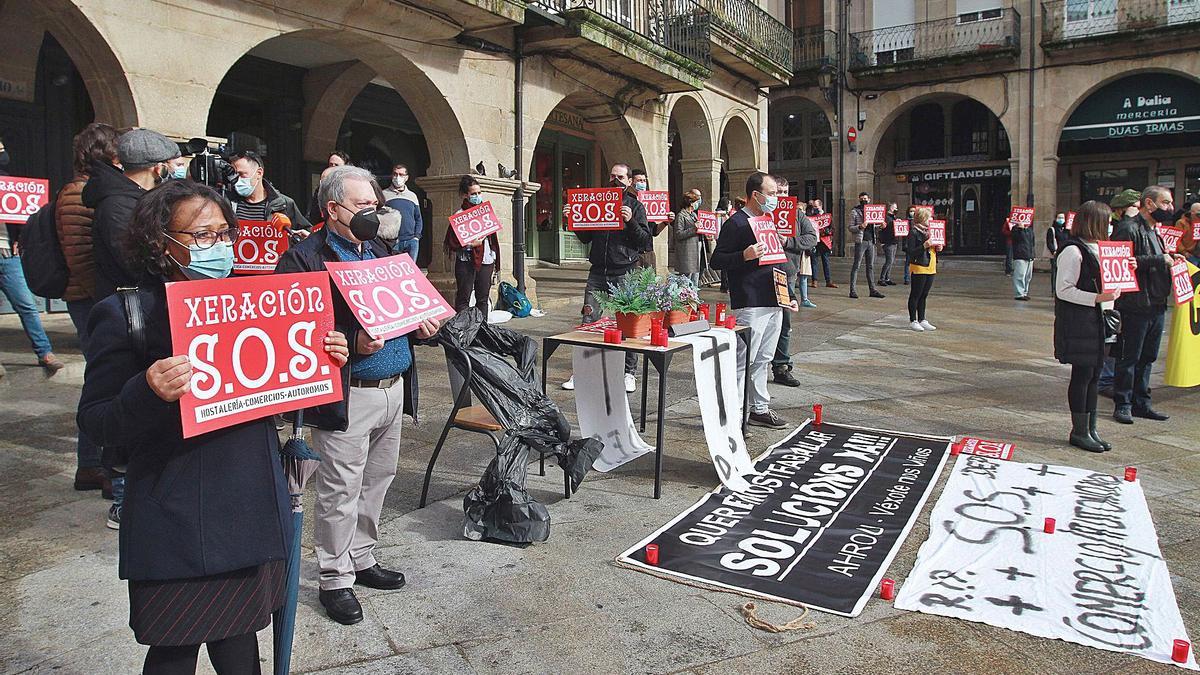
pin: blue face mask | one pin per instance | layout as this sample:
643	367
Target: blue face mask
180	172
475	200
769	205
244	186
641	185
699	201
214	262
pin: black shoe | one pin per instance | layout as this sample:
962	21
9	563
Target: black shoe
854	294
1081	437
378	577
768	419
342	606
1095	435
1105	392
877	294
1122	414
1150	414
784	376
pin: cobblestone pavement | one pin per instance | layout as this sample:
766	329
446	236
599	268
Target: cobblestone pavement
562	606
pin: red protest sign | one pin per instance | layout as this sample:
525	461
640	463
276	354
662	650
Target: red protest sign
823	222
1115	272
764	233
22	197
1181	281
900	227
256	345
657	203
475	223
594	209
259	245
937	232
784	216
1070	221
389	296
992	449
875	214
1196	231
1170	237
706	223
1021	216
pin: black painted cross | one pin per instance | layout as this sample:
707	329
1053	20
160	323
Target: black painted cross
592	353
714	354
932	599
1045	471
1032	491
1017	605
1012	573
944	577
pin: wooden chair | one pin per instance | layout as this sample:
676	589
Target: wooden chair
475	419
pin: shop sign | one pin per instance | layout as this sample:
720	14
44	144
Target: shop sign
962	174
1150	104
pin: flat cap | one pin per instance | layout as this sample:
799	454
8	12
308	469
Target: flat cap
140	148
1126	199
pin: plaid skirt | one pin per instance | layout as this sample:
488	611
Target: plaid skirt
204	609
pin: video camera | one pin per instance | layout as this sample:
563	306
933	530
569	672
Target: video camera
209	167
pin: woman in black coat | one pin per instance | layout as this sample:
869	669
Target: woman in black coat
206	520
1079	322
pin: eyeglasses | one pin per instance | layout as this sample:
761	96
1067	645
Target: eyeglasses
207	239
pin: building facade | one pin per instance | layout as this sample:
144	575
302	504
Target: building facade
974	106
552	90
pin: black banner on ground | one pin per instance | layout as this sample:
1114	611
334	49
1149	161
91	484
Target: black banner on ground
821	522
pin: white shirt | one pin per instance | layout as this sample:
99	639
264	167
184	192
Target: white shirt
1070	261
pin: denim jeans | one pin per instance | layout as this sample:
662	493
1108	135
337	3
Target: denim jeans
411	247
1108	372
87	453
12	283
1022	275
889	259
1137	350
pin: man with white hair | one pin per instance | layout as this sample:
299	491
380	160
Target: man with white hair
358	438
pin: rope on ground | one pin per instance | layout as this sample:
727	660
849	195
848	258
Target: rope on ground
748	610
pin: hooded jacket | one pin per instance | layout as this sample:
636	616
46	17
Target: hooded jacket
112	196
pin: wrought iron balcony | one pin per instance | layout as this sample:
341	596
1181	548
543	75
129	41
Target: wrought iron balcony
751	41
995	33
1066	22
814	48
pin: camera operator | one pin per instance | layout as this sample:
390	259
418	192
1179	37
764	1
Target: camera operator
254	198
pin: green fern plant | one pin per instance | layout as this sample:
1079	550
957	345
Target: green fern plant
634	293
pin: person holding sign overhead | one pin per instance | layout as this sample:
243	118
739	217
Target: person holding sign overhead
358	438
752	292
922	257
476	265
1079	327
206	519
1143	311
864	245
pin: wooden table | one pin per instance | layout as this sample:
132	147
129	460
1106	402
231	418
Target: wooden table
661	358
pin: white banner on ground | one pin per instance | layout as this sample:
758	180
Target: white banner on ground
1098	580
714	357
603	407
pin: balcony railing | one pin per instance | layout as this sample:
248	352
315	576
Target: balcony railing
681	26
998	31
754	26
814	48
1066	21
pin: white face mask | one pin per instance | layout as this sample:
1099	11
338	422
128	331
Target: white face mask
399	181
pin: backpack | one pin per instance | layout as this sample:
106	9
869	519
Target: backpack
42	257
513	300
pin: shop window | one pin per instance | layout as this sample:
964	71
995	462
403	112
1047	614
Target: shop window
970	126
1105	184
985	15
819	145
927	131
1191	178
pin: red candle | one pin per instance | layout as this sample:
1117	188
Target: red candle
656	325
652	554
660	338
1131	473
955	448
612	335
720	312
1048	527
704	312
730	321
887	589
1179	653
817	412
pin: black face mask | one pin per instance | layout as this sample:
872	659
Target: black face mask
1164	216
365	224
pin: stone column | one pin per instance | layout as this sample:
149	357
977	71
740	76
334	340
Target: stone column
444	198
705	174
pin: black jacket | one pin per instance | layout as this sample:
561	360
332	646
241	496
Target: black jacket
750	284
914	245
311	255
1056	238
887	233
1079	330
197	507
615	252
1024	243
113	196
1153	271
277	202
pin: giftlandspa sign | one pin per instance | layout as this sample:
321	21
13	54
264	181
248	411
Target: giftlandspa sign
1094	576
475	224
706	223
657	204
784	216
389	296
765	234
259	245
22	197
825	514
1116	274
594	209
256	345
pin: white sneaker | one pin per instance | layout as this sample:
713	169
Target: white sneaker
927	326
916	325
630	383
569	385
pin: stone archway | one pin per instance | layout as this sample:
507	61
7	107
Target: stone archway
740	152
698	166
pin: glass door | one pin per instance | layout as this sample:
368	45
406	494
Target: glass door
575	165
968	235
1085	17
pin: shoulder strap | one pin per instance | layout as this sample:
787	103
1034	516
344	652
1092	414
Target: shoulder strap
136	319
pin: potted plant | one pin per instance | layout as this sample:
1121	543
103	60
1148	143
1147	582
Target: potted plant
632	301
677	297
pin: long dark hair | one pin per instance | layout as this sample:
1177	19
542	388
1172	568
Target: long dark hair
1091	221
146	241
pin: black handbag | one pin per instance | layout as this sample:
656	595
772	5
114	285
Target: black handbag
1112	323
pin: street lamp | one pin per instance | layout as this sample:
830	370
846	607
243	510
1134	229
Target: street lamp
827	81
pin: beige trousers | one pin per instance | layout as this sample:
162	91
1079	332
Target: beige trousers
357	466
